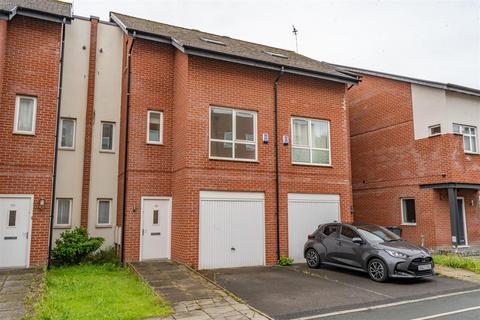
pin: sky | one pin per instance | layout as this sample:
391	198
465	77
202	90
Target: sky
426	39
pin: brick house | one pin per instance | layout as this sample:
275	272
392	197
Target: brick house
415	157
164	140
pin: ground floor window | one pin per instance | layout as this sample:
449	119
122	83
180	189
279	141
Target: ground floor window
408	211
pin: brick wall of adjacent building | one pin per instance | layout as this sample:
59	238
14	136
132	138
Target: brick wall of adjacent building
31	67
389	164
185	87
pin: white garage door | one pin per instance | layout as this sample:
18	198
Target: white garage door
305	213
231	229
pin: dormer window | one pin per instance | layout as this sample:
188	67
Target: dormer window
218	42
274	54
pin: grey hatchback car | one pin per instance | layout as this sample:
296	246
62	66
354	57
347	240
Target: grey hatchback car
368	248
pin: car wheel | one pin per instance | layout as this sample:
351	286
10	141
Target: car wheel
313	258
377	270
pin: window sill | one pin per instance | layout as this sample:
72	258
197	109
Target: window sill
155	143
312	164
107	151
472	153
435	135
62	227
409	224
20	133
66	149
234	160
103	226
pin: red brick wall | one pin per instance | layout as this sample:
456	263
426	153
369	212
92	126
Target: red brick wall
184	88
388	164
26	162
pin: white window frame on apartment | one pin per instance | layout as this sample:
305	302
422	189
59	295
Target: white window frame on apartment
471	137
310	143
66	225
17	112
113	136
434	127
405	223
61	133
234	140
109	224
160	142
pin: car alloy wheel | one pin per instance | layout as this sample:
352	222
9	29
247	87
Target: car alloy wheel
377	270
313	258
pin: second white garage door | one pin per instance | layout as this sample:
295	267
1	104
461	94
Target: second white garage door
305	213
231	229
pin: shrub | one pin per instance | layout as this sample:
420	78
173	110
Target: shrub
285	261
75	245
105	256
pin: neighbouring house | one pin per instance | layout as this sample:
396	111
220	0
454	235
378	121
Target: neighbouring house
168	142
415	157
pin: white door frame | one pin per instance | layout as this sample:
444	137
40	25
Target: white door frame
464	221
31	198
169	244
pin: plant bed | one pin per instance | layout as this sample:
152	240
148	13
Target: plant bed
457	261
98	292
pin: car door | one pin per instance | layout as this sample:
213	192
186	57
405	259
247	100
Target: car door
348	252
330	234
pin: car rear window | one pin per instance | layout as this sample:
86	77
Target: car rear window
330	229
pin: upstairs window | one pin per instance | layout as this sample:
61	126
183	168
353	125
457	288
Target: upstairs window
25	113
103	212
107	136
155	127
435	130
311	141
408	211
469	137
67	135
233	134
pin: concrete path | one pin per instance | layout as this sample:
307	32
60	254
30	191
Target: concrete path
15	285
192	297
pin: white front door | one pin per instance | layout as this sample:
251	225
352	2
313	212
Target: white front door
15	216
305	213
156	221
231	229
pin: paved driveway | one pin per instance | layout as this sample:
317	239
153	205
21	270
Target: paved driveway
293	292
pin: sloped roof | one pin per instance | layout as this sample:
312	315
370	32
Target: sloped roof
49	7
186	39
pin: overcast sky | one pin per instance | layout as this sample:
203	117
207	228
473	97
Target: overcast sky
433	40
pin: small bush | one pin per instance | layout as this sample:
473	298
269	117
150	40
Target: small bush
285	261
106	256
75	245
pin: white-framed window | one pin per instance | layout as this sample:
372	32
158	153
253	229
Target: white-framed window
67	134
408	211
311	142
63	212
108	132
104	212
233	134
25	115
435	130
155	127
469	133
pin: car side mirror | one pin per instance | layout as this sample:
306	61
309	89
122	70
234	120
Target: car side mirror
357	240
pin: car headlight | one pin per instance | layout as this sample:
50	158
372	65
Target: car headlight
397	254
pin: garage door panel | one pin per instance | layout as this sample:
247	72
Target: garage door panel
305	213
231	230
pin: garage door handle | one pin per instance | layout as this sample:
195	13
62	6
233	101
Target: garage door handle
232	248
10	238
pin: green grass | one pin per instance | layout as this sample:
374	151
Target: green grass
454	261
97	292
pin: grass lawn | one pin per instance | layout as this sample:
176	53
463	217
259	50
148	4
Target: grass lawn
453	261
98	292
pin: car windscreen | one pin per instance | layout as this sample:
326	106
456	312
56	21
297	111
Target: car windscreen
376	234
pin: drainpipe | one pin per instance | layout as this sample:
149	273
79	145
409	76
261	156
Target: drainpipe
277	174
57	132
125	162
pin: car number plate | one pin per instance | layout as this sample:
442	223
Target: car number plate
424	267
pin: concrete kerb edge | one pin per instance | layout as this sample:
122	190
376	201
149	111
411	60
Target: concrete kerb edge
231	294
